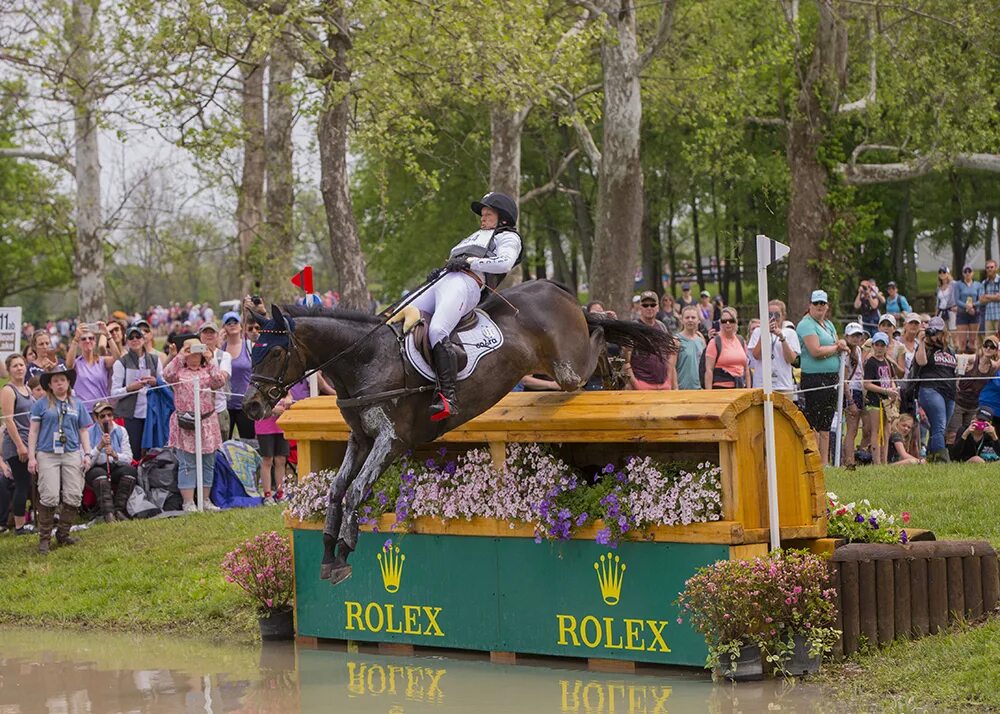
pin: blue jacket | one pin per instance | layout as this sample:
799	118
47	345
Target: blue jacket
159	407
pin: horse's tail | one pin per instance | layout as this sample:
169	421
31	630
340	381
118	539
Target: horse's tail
633	334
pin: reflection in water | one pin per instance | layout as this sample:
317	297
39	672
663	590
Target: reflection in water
71	672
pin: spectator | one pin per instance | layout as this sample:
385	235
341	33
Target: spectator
192	363
45	357
898	455
887	325
57	439
646	370
726	355
947	307
854	392
148	339
881	397
990	299
238	344
978	444
936	361
274	448
691	345
785	349
967	295
116	334
686	297
111	476
907	343
820	368
16	401
131	377
719	304
209	335
668	313
706	312
867	304
535	383
895	304
35	385
636	310
969	385
754	366
93	371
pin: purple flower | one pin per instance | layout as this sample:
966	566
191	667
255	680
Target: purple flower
608	469
903	538
388	544
581	519
859	518
603	536
874	522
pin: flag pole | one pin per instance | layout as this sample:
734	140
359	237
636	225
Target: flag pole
768	251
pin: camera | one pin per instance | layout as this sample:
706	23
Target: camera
980	425
931	332
256	300
198	349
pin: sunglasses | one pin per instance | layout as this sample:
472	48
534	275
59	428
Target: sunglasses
135	337
727	322
88	339
648	304
820	302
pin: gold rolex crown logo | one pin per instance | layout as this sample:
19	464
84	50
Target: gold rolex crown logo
610	572
390	560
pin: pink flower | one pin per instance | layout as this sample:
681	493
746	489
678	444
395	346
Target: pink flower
906	516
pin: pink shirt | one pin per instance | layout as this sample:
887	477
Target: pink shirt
299	390
180	375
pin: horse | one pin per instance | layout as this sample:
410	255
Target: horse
385	401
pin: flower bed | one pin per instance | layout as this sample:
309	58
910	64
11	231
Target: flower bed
863	523
534	488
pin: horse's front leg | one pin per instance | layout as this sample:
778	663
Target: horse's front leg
358	448
385	449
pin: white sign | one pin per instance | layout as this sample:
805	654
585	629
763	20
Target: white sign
10	331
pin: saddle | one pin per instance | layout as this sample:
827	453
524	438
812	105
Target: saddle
475	333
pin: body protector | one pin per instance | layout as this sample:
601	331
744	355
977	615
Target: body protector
495	252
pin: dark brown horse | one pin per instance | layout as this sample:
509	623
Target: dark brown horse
385	401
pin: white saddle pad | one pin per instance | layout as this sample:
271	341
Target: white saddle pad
479	340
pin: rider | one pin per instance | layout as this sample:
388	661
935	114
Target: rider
484	258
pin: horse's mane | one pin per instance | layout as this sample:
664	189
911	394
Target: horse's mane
336	313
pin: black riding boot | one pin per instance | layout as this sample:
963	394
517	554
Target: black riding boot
102	487
445	402
126	484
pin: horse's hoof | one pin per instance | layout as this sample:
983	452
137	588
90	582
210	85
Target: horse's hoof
339	574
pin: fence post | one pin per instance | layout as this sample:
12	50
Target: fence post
199	496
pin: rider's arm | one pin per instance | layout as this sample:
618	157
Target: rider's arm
508	248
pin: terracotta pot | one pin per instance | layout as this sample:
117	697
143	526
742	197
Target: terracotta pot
277	625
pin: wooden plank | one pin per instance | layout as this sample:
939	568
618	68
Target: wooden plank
972	579
867	607
307	643
849	605
956	590
919	598
616	666
937	595
498	454
885	584
748	552
503	657
395	648
901	598
991	582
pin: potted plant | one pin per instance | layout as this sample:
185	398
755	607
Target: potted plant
773	612
262	566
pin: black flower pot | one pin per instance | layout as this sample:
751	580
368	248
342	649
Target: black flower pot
748	667
801	663
277	625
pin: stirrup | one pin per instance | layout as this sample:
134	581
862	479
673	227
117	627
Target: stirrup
444	412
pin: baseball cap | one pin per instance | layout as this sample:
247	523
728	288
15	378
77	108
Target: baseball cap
685	286
208	326
880	337
636	299
993	339
891	284
133	330
649	295
705	293
944	269
984	413
888	317
936	323
967	268
140	323
854	328
231	315
101	406
819	296
912	317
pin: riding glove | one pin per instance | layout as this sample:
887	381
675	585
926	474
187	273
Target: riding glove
456	264
434	275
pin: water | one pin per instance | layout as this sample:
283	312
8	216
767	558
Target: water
72	672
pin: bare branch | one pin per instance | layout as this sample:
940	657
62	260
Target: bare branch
587	142
60	161
867	174
662	33
768	121
553	183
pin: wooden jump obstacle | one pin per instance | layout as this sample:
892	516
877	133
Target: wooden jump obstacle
486	585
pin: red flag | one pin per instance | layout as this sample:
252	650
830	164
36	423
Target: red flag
304	279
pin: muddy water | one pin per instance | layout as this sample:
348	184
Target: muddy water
68	672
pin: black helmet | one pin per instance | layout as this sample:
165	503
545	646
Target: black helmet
501	203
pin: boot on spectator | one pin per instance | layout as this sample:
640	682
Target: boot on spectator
46	519
102	487
67	517
125	487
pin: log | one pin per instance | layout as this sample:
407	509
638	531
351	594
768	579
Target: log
849	606
867	608
956	590
919	612
972	579
991	582
937	594
924	549
884	599
901	598
835	583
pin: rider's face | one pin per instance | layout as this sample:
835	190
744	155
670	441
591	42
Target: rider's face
489	218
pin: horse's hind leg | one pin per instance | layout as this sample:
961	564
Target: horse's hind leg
572	371
358	448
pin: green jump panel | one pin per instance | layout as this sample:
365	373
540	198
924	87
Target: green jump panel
572	598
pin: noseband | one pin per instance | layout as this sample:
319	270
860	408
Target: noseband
274	388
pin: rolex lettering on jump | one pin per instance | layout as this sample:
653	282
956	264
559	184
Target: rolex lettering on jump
396	619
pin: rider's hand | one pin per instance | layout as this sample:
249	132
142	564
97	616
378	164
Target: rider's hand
455	264
435	274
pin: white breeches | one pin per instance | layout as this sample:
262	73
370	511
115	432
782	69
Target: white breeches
451	298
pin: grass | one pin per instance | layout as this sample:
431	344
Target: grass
153	576
954	670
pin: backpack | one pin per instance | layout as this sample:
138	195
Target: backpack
740	382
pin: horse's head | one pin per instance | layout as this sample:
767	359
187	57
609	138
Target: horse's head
277	364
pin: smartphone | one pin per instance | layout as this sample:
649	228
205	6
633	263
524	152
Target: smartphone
774	316
198	349
716	325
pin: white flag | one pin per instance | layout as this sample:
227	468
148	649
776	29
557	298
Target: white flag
769	250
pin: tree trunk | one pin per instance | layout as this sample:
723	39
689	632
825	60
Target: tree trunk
505	161
696	237
81	33
540	270
671	247
723	286
988	245
280	178
560	266
959	246
581	213
650	273
332	132
619	200
251	194
900	239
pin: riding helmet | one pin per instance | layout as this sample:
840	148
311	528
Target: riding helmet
501	203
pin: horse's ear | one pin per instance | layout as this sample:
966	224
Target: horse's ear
279	319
